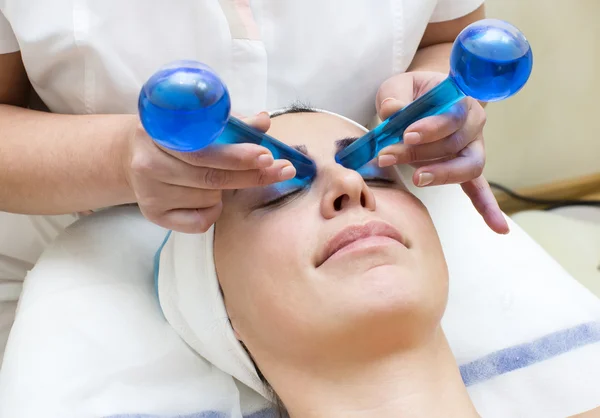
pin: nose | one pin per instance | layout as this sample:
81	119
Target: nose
345	190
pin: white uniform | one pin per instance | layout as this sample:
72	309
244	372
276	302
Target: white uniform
89	56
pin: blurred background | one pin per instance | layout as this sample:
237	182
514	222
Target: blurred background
543	143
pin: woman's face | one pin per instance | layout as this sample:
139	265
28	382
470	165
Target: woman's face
352	263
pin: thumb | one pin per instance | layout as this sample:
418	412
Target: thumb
394	94
260	121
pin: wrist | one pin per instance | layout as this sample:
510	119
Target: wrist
123	152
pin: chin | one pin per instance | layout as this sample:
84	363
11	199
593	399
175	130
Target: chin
389	288
388	312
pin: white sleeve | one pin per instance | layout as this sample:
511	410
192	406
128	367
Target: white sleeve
453	9
8	41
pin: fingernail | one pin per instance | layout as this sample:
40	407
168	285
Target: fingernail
265	160
425	179
264	113
412	138
386	160
287	172
389	99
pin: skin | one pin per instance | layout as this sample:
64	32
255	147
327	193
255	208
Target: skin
333	321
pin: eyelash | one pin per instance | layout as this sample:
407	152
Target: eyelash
282	200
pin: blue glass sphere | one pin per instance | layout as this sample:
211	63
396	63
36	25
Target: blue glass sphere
491	60
184	106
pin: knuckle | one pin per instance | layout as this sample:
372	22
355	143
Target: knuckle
480	188
454	143
481	206
483	119
203	225
207	218
216	178
462	113
139	132
142	163
412	154
458	118
152	204
153	216
196	158
262	178
444	177
237	161
478	166
213	197
436	125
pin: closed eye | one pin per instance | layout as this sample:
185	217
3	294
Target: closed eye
288	197
282	200
379	182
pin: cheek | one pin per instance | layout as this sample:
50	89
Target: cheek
409	215
260	264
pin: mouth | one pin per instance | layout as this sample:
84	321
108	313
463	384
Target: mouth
372	234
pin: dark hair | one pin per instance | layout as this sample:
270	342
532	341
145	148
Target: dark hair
280	409
296	107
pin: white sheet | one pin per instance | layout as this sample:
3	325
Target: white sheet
22	240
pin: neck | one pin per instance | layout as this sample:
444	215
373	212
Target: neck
420	382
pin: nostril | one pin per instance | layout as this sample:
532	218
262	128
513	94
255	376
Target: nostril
338	203
363	200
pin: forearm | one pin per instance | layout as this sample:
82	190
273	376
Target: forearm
55	164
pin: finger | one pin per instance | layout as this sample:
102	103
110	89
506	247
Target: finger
394	94
436	127
391	105
227	157
182	174
400	90
231	156
261	121
420	164
451	145
480	193
158	198
189	221
467	165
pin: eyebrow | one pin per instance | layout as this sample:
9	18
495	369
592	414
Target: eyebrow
301	148
340	144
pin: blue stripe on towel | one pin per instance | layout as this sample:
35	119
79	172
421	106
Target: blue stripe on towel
524	355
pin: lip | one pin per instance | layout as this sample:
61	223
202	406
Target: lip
354	233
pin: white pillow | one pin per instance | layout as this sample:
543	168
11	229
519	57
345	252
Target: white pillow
90	341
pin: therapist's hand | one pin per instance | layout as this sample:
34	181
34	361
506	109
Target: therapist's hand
446	148
182	191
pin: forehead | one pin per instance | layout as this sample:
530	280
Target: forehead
318	131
